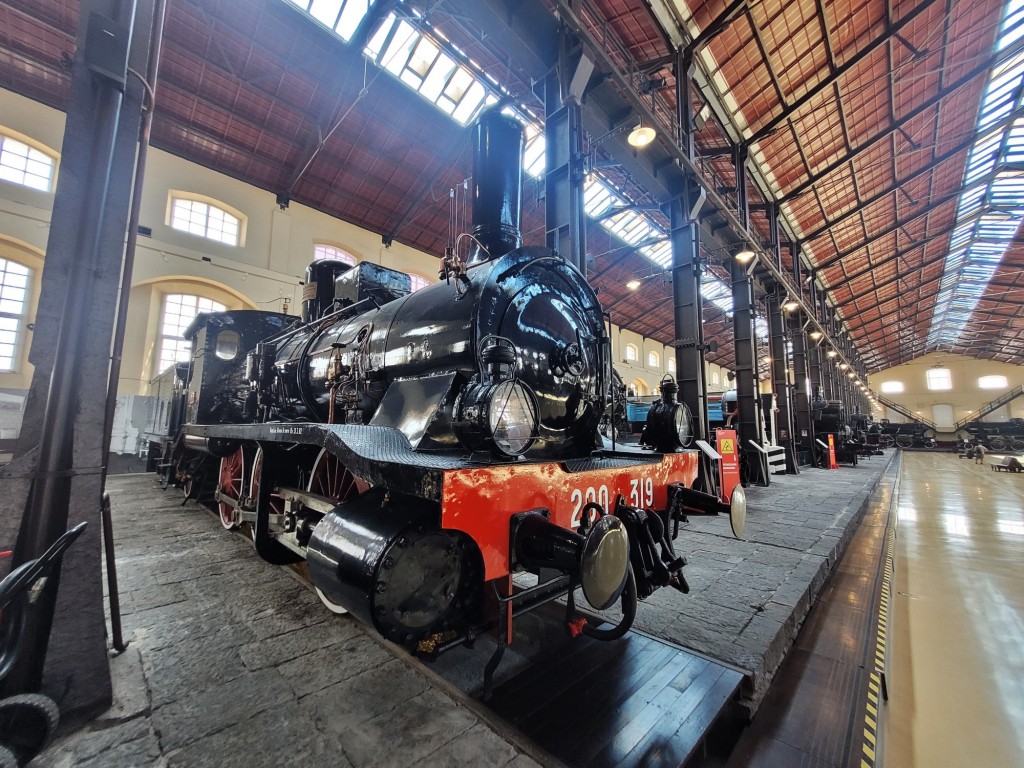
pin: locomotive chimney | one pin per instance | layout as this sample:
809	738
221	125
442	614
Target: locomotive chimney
497	185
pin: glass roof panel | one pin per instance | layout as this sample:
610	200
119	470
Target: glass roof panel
990	213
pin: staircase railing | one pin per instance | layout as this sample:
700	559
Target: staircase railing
994	405
906	413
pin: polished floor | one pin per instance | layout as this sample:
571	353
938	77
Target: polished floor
956	655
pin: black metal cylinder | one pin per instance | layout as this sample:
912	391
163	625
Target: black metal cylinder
318	293
497	185
382	557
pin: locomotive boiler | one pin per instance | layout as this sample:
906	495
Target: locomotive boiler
417	449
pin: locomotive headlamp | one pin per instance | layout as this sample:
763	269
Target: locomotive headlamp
511	417
501	417
669	426
496	411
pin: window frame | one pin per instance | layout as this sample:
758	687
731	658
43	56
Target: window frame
653	360
1004	382
175	196
337	253
631	353
892	387
20	319
418	282
946	379
33	145
162	336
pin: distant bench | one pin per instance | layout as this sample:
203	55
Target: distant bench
1008	464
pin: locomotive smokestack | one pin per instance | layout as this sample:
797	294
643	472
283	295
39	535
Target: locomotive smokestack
497	185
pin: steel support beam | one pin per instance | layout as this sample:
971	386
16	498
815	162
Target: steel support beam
780	380
745	340
564	215
55	479
803	422
688	313
687	302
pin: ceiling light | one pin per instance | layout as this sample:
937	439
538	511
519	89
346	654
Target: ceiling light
831	353
745	256
633	284
843	366
641	136
791	305
852	375
816	335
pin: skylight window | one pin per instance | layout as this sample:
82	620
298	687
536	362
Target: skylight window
424	65
891	387
341	16
991	209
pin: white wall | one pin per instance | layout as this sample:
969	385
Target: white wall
965	398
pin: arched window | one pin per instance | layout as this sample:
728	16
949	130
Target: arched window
714	377
326	251
14	282
632	353
938	379
653	360
639	386
417	281
207	218
179	310
670	366
22	163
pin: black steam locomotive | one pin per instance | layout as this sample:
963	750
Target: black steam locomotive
418	448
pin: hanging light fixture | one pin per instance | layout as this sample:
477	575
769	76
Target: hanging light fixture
745	256
641	136
791	305
633	284
815	335
831	353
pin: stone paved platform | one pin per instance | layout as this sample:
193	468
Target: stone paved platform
233	662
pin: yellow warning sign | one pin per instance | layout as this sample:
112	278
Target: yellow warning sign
727	446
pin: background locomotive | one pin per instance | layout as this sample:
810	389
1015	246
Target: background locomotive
416	449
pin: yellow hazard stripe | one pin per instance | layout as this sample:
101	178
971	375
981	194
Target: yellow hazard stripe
877	671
